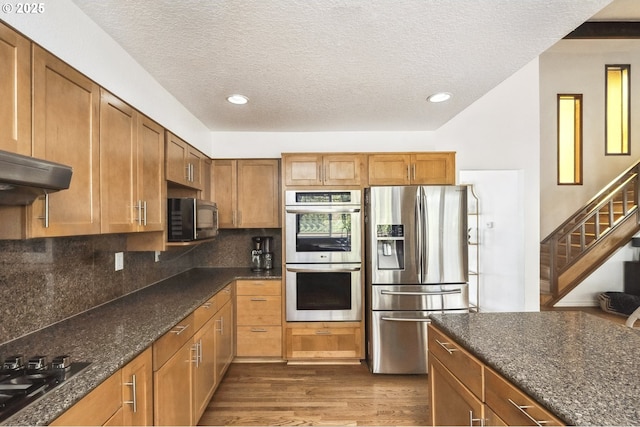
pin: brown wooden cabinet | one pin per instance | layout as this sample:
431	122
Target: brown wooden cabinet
324	340
124	399
184	163
464	391
259	318
132	179
412	168
137	391
224	339
247	192
66	131
204	369
316	169
15	87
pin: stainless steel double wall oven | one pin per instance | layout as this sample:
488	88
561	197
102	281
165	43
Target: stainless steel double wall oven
323	255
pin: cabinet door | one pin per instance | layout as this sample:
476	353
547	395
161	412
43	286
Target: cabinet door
342	169
176	155
224	339
67	106
152	188
224	191
259	341
15	87
433	168
172	386
259	193
195	161
452	404
137	391
118	134
204	374
302	169
389	169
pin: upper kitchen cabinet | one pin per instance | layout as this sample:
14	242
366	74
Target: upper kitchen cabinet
412	168
15	87
132	178
247	192
184	164
66	107
323	169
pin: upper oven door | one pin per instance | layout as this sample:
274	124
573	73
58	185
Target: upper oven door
323	234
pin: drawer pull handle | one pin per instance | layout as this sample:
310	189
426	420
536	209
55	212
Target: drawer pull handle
444	345
134	398
474	420
523	409
258	330
179	329
207	305
323	332
258	299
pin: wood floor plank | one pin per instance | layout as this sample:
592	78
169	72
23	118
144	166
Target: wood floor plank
270	394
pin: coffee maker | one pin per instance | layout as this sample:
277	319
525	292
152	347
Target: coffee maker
262	253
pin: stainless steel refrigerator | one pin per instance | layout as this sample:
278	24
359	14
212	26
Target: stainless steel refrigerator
416	256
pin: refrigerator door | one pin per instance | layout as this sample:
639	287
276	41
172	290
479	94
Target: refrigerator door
443	234
453	297
392	246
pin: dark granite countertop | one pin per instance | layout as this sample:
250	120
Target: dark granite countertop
111	335
584	369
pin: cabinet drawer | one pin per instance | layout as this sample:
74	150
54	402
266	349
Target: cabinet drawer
259	341
205	312
223	296
97	407
171	342
258	310
512	405
323	343
258	287
461	364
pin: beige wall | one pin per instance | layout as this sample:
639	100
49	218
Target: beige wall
577	66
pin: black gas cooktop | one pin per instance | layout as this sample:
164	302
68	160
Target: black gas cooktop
21	385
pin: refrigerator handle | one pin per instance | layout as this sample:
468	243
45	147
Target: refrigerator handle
418	223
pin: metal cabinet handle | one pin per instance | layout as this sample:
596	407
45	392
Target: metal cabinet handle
456	291
258	330
144	217
444	345
46	211
258	299
523	409
179	329
323	332
207	305
221	321
473	420
194	348
188	170
414	171
404	319
408	172
134	400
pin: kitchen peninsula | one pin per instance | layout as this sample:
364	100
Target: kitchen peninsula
580	368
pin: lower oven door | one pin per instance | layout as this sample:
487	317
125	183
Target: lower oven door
323	292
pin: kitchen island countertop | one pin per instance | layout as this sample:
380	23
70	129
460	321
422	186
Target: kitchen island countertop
583	369
111	335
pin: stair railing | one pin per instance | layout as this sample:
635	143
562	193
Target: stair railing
572	239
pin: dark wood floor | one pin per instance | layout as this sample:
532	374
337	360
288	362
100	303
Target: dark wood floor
270	394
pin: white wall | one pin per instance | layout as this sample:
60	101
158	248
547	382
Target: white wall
64	30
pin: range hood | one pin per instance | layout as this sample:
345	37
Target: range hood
23	178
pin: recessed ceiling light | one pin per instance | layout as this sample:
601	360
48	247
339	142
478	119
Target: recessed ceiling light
237	99
439	97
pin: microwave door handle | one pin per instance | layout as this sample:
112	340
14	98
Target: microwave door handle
323	210
316	270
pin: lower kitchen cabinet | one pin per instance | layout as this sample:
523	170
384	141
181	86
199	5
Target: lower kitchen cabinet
204	370
464	391
259	319
224	339
339	340
172	389
124	399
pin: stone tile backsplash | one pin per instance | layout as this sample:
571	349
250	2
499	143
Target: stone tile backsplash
43	281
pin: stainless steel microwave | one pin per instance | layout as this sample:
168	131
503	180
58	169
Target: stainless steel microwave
190	219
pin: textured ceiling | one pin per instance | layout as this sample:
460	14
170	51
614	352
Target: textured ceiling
334	65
